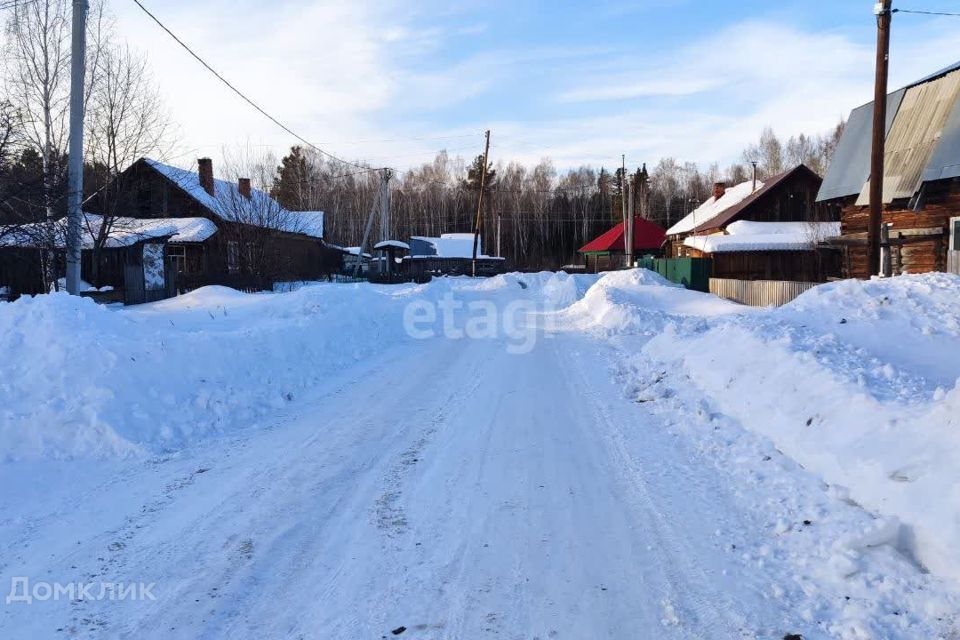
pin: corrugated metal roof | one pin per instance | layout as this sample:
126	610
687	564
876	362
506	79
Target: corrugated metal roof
850	167
945	161
914	136
646	236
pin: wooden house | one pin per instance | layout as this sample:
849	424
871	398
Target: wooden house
257	241
789	196
132	264
921	182
607	250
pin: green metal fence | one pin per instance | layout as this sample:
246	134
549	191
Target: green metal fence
693	273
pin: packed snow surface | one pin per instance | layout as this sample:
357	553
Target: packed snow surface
365	461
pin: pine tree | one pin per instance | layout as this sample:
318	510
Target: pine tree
472	183
292	174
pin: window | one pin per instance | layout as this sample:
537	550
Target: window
233	256
955	234
178	256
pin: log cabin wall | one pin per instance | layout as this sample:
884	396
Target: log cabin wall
919	238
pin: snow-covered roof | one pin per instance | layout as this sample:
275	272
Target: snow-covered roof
745	235
454	245
713	208
228	203
123	232
355	251
396	244
309	223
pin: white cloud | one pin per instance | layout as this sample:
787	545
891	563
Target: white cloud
708	100
363	77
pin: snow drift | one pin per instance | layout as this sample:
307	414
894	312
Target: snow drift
641	301
858	382
79	379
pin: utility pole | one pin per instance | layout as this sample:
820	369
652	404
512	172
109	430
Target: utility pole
623	197
884	15
479	220
75	169
385	175
628	232
358	267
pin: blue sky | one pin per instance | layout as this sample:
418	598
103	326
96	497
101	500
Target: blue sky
580	82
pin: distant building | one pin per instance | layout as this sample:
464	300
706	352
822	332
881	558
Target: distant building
921	182
786	197
608	250
448	254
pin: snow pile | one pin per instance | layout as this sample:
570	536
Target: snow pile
78	379
641	301
857	382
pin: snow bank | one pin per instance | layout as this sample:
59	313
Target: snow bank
641	301
857	382
78	379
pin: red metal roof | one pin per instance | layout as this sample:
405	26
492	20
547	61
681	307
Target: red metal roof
646	236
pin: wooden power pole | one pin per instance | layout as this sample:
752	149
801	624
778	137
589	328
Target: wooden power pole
623	200
884	15
477	223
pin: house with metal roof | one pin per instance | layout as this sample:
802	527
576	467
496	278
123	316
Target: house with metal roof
921	182
607	251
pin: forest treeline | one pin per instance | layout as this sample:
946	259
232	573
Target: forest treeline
543	214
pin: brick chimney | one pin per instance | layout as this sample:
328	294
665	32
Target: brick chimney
243	185
205	169
719	188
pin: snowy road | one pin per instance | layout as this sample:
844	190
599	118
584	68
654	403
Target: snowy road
487	495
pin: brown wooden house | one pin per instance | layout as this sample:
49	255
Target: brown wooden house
257	242
789	196
921	182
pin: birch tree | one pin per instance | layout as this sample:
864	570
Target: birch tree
126	120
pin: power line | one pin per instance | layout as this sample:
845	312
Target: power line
926	13
243	96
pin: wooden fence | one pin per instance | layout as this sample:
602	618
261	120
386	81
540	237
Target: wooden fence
759	293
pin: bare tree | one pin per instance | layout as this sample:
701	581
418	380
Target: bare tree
253	219
126	120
